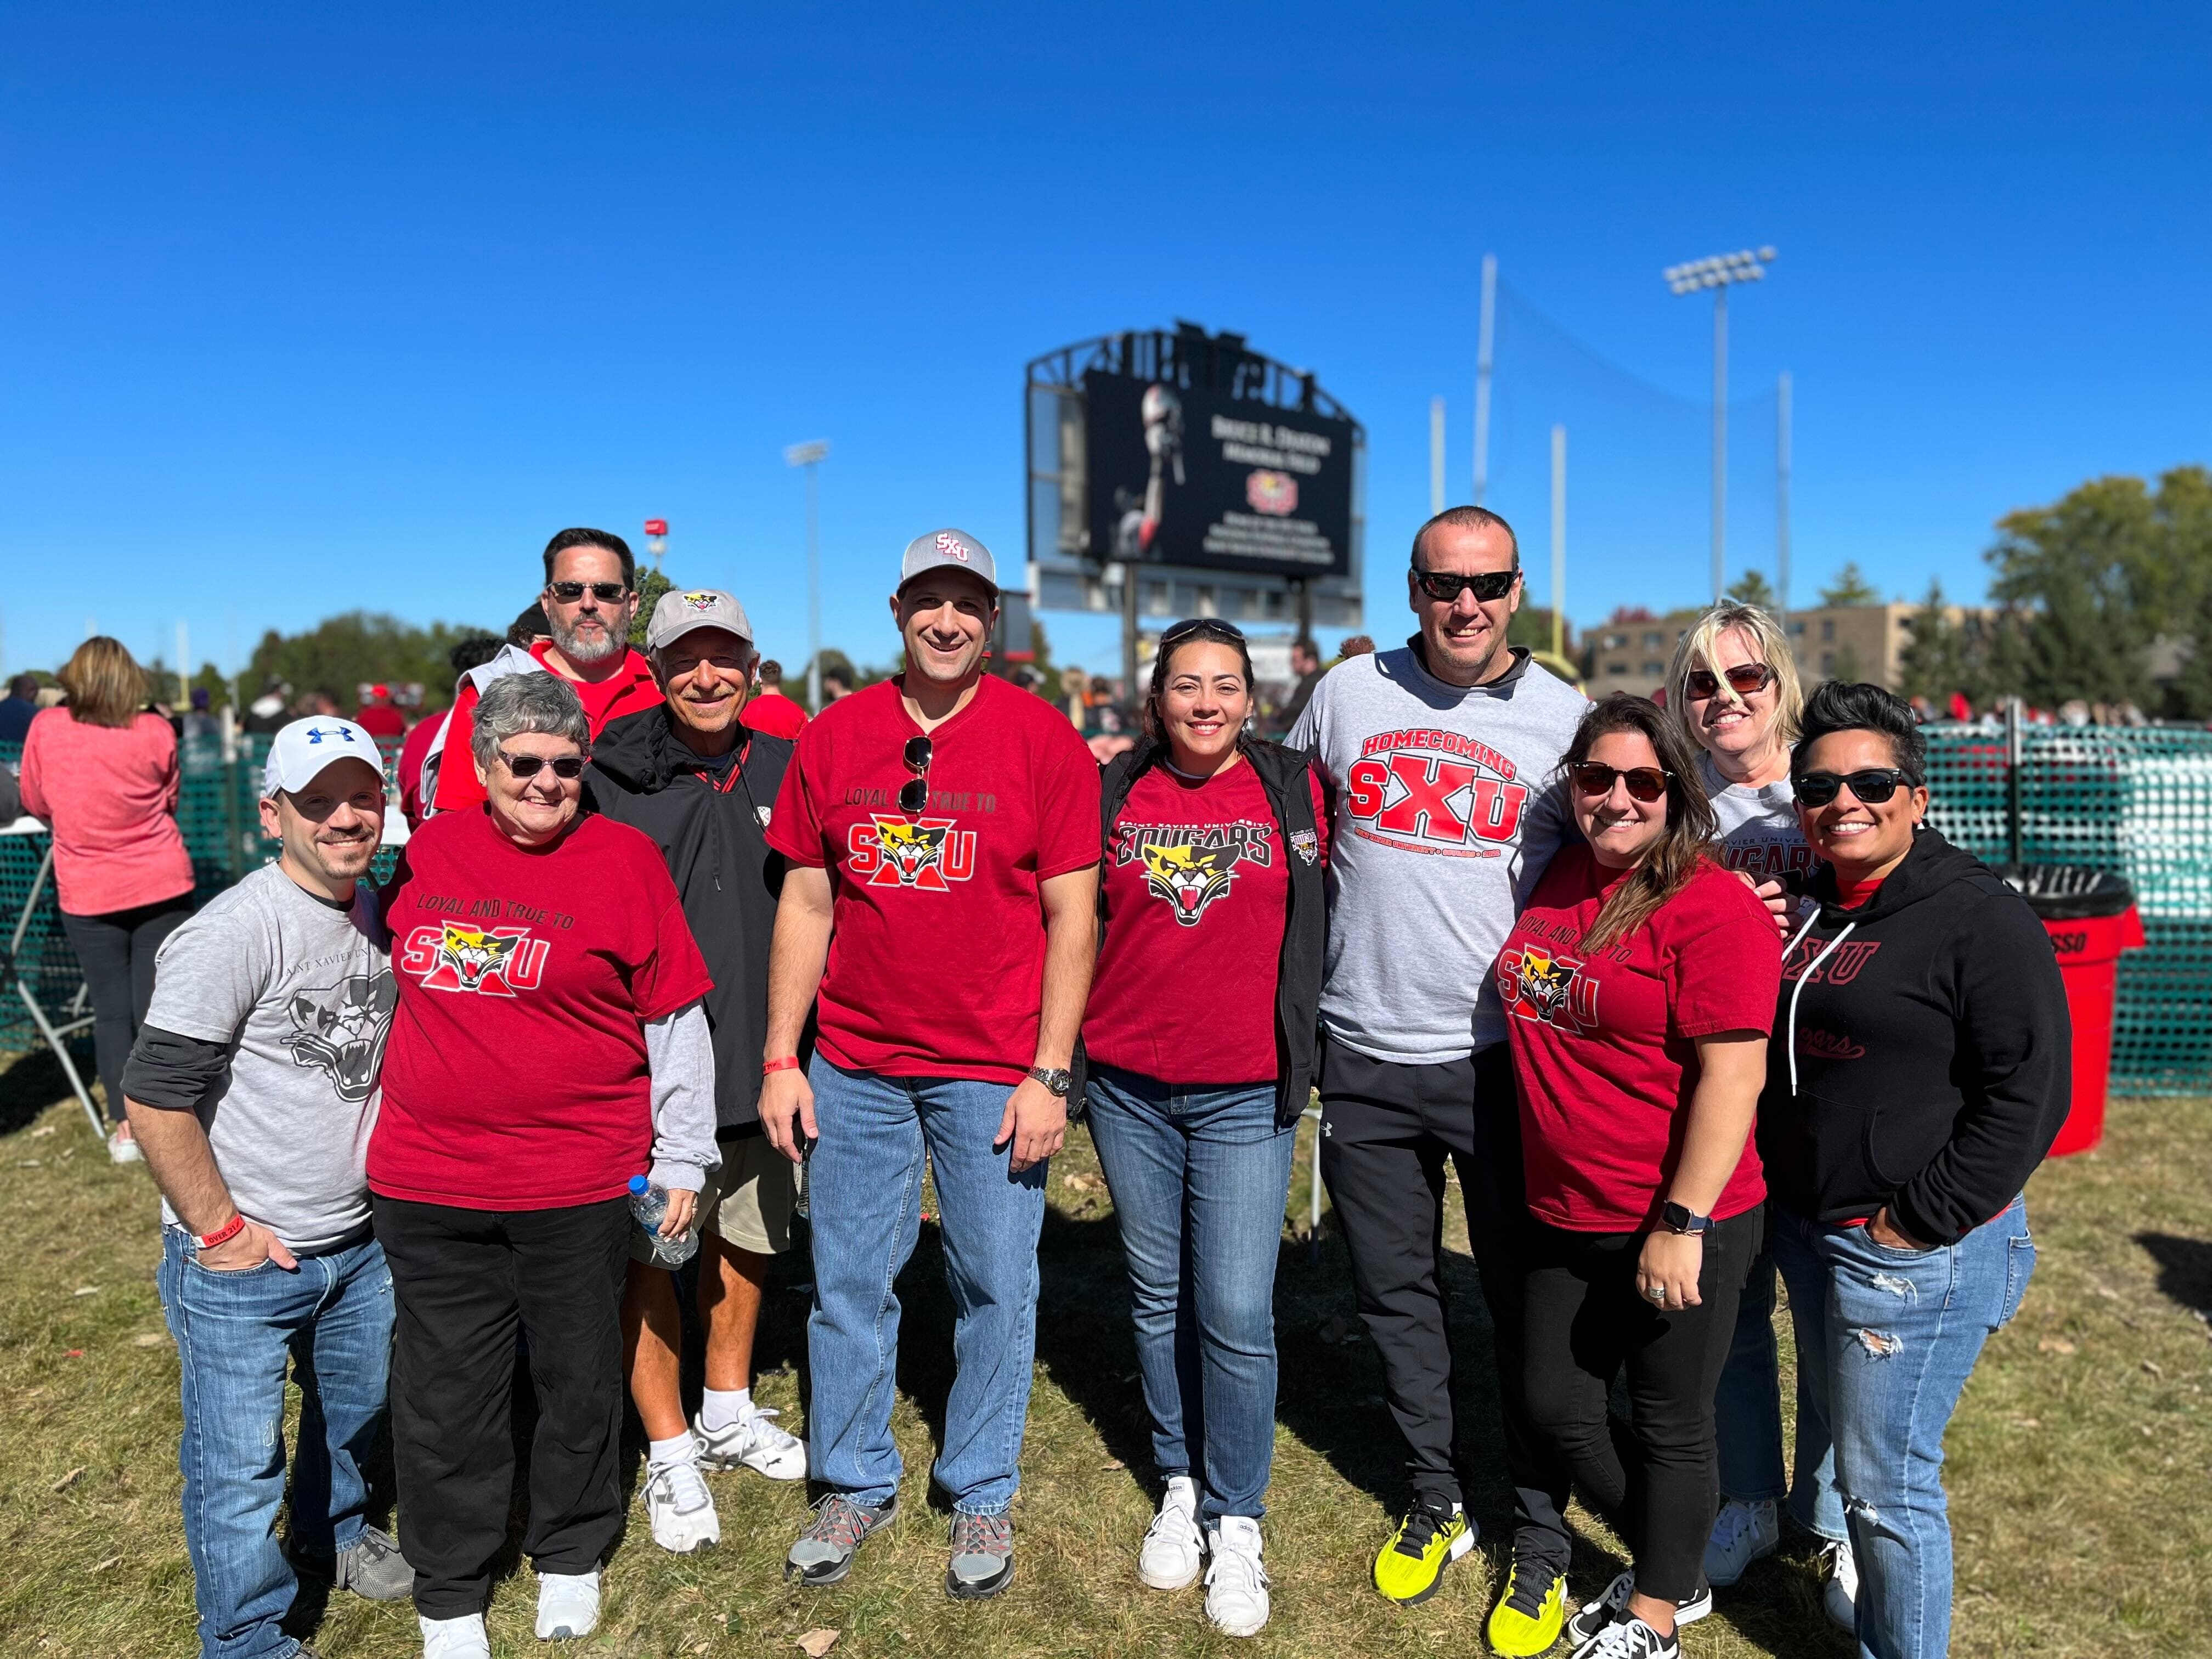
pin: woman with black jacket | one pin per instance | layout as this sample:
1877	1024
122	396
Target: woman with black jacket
1919	1075
1200	1039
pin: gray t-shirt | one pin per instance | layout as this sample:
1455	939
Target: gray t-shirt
1447	807
1759	834
301	991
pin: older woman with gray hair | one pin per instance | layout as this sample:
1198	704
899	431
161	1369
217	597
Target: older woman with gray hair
549	1045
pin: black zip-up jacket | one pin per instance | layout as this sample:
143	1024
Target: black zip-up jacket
712	831
1922	1052
1282	773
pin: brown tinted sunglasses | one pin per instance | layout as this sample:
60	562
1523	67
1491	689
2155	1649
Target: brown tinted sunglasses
1743	679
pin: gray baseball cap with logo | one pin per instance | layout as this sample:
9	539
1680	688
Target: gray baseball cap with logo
949	550
682	609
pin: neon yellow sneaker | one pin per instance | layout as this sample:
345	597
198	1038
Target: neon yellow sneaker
1527	1619
1427	1540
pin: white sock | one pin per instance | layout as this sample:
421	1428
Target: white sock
724	1409
678	1449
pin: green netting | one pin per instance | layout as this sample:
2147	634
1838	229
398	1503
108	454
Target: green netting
2134	801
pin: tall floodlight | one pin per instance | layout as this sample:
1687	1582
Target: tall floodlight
1436	456
810	456
1558	541
1719	273
1782	496
183	666
1484	340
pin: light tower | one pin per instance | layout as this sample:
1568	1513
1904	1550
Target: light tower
1719	273
810	456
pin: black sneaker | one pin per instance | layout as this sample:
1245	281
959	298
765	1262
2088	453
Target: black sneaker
1611	1607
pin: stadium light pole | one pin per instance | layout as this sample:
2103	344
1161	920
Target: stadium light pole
810	456
1719	273
1485	339
1436	456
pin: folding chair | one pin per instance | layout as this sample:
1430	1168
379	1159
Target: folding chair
76	1016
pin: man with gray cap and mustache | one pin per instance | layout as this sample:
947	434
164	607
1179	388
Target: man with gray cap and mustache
942	830
689	774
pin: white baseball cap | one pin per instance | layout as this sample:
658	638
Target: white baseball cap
303	749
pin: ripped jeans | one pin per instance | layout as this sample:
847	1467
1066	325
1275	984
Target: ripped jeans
1904	1328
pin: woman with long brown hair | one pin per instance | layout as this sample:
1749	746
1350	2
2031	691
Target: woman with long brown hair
1640	987
102	770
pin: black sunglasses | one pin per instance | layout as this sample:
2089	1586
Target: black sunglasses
1191	625
1872	786
1444	587
1645	783
1743	679
565	767
914	795
604	592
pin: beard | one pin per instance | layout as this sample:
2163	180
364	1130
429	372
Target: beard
596	646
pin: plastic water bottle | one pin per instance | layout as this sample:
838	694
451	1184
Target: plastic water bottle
648	1207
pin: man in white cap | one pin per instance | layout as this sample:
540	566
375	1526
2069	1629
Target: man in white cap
689	774
252	1090
943	827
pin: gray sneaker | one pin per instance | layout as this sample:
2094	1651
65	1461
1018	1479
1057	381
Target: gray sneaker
982	1561
824	1553
374	1570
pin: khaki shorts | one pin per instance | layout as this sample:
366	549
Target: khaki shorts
748	1202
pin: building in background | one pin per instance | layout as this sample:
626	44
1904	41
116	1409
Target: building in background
1630	650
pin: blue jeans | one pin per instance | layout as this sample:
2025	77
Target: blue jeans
1748	1405
1904	1330
233	1332
863	1199
1200	1178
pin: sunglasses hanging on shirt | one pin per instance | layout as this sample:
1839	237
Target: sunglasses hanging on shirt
914	795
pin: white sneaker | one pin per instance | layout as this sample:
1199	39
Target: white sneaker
1630	1638
124	1149
567	1604
681	1508
1236	1583
753	1442
1171	1555
1741	1534
1591	1619
454	1638
1840	1595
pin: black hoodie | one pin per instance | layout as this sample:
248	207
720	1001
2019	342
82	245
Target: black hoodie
710	825
1922	1051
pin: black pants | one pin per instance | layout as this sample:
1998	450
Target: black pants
1653	1479
1386	1130
116	951
467	1280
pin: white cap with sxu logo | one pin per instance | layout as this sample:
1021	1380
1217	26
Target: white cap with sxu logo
949	550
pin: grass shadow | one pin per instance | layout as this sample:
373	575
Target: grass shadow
33	1083
2185	1268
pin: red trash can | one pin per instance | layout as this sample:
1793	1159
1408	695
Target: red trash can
2091	917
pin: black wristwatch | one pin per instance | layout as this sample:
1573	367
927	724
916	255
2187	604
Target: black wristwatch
1678	1219
1058	1082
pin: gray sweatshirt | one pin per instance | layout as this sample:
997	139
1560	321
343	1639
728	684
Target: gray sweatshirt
1447	807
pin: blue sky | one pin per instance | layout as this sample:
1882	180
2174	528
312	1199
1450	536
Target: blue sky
307	311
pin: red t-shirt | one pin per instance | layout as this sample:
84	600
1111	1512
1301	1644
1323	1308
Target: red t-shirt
1196	889
1604	1042
381	720
773	713
625	691
515	1075
937	950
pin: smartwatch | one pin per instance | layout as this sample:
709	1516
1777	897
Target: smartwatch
1677	1219
1058	1082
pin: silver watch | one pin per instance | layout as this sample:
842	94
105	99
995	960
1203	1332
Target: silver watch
1058	1082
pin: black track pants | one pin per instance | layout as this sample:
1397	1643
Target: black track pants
1386	1130
467	1282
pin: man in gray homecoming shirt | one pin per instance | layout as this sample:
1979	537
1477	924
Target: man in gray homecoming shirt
252	1089
1441	759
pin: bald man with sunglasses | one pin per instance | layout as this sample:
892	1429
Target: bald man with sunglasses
1442	757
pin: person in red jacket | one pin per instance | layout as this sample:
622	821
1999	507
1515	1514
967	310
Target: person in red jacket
377	717
769	710
591	594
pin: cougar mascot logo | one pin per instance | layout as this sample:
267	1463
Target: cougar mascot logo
910	849
460	957
1542	985
1190	878
339	1029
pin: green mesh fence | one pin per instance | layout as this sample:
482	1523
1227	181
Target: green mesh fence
2136	802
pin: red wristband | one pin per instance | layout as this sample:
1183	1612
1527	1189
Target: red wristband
788	1063
222	1235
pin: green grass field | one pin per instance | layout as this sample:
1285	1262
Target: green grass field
2078	1463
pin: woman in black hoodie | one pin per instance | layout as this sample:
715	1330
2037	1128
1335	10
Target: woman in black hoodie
1918	1076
